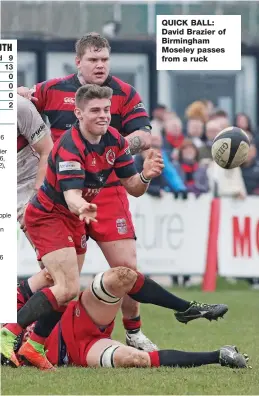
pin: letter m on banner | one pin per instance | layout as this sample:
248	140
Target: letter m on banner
241	237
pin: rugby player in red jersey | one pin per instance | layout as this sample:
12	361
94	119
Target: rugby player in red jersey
83	335
55	98
78	168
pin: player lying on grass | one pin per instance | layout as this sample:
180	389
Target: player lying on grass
83	336
78	167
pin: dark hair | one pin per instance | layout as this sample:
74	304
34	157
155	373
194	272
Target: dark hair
160	106
92	91
91	40
248	121
217	114
188	143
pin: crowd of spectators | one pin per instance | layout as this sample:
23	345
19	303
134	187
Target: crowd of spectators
186	149
185	145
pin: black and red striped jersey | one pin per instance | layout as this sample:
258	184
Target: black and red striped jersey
56	99
74	163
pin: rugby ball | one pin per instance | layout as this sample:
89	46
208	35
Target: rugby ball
230	147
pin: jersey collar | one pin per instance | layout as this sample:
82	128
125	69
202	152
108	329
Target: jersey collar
78	84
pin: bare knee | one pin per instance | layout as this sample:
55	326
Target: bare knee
130	357
120	280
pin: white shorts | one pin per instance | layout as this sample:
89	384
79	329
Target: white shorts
25	192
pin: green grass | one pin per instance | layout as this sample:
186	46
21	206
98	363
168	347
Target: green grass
240	327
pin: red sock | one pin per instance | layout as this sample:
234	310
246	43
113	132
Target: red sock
154	359
37	338
132	324
138	284
15	328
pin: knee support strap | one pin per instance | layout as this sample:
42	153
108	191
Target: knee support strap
99	291
106	358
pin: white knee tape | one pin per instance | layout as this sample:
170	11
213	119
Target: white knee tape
106	358
99	291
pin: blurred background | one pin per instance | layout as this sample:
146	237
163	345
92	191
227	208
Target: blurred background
188	109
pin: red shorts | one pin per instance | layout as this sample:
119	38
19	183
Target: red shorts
113	215
73	336
50	231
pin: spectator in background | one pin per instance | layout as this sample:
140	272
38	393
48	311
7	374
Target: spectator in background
250	171
192	173
158	118
243	121
169	180
172	134
212	128
198	110
226	182
195	130
159	113
222	118
209	106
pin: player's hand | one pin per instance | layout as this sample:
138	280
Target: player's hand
88	212
153	164
27	93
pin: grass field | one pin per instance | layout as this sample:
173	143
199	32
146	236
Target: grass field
240	327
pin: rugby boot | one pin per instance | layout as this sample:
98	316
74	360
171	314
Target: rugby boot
230	357
199	310
7	347
139	341
35	354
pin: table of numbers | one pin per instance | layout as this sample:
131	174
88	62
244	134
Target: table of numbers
8	180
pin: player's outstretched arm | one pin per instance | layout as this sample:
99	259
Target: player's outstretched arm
137	184
77	205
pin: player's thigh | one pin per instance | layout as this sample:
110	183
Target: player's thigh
120	253
111	353
102	314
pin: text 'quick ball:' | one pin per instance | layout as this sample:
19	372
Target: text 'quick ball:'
230	147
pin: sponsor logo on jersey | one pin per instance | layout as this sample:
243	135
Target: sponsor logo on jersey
110	157
92	192
69	165
69	100
127	151
37	133
139	106
121	225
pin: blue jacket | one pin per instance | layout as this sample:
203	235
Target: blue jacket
172	177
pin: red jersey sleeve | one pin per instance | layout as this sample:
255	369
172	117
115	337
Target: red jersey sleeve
41	93
124	165
70	170
134	115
